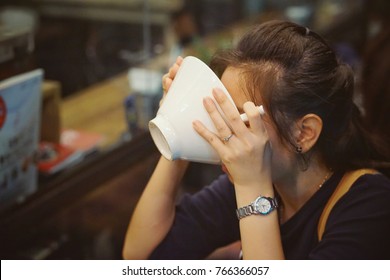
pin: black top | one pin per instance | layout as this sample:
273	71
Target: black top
358	226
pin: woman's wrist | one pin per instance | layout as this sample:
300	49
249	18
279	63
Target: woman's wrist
246	194
179	166
173	169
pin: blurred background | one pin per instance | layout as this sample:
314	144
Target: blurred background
102	62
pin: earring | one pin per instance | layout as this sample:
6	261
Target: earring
298	149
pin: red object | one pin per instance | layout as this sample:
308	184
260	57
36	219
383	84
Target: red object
54	157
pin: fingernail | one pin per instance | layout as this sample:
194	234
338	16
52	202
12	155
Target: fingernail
207	101
244	117
218	93
195	124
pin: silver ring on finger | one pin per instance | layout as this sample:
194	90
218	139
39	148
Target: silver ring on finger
227	138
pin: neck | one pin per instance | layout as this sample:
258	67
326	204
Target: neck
297	189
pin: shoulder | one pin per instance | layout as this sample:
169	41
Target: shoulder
367	201
359	224
368	191
372	183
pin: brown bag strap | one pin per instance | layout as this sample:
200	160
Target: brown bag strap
345	184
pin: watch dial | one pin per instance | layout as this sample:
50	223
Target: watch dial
263	205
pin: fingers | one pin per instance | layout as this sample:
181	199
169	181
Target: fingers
222	128
223	133
167	79
166	83
230	124
230	111
233	118
173	70
207	135
254	117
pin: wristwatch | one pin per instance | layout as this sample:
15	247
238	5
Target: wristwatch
261	206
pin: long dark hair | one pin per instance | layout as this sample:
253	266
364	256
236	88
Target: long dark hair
296	73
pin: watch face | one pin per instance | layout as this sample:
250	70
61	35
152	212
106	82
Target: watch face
263	205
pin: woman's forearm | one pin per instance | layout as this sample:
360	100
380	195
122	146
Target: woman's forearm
155	211
260	234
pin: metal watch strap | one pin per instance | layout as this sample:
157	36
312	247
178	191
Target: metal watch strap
250	209
245	211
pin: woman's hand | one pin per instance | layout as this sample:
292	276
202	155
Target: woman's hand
167	79
246	154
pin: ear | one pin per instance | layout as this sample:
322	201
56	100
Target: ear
308	131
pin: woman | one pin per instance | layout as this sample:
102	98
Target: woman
290	159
